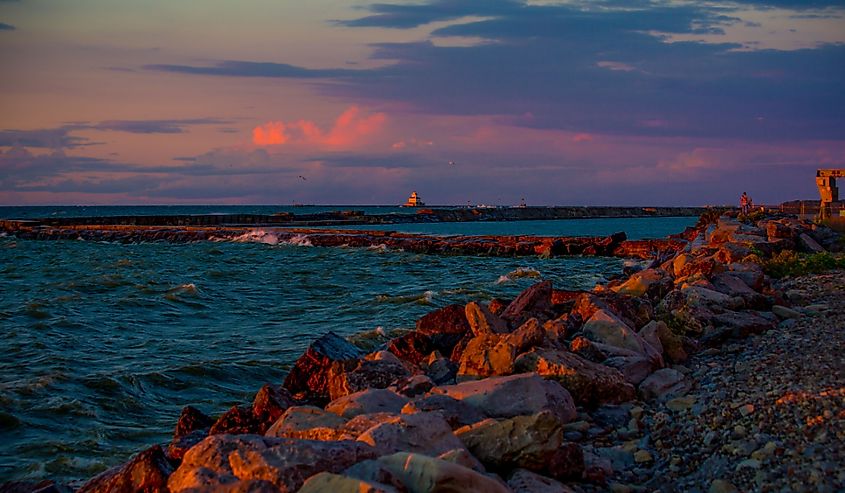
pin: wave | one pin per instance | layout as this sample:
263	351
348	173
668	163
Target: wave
257	236
424	298
299	240
518	273
183	290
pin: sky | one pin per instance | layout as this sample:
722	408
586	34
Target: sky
351	102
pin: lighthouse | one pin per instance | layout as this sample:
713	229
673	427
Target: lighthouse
414	201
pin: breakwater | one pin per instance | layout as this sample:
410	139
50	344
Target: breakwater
519	394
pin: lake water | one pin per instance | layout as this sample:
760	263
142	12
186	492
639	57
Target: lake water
103	344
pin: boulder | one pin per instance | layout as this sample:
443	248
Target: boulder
607	328
237	420
525	481
446	326
557	331
482	321
671	343
586	349
191	419
462	457
746	322
635	369
514	395
663	384
532	302
366	402
775	229
256	463
635	312
310	373
308	422
528	335
366	374
269	404
442	371
732	252
179	445
337	483
486	355
413	386
497	306
589	383
456	413
356	426
425	433
652	283
147	471
530	442
417	473
413	347
808	244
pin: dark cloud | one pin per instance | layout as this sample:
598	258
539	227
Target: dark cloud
254	69
156	126
6	27
49	138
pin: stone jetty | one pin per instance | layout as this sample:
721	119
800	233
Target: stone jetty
552	391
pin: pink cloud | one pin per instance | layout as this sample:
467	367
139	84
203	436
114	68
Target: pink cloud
350	129
582	137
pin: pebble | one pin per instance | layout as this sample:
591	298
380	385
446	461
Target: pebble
722	486
643	456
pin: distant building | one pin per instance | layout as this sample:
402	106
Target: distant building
414	201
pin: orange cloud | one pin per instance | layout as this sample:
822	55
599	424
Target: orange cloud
349	129
271	133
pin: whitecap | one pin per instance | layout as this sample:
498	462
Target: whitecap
299	240
257	236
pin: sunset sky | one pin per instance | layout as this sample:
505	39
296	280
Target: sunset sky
351	102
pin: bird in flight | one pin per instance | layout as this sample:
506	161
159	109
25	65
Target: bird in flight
303	178
451	163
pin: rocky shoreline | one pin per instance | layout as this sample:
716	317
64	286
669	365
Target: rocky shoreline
688	375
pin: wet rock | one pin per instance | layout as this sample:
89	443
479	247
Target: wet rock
532	302
191	419
366	402
256	463
506	397
147	471
486	355
663	383
269	404
652	283
525	481
413	347
456	413
482	321
308	422
337	483
589	383
235	421
418	473
530	442
366	374
425	433
310	373
446	326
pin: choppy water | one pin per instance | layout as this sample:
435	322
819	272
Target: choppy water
104	343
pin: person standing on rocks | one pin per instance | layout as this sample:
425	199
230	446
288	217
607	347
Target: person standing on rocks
744	202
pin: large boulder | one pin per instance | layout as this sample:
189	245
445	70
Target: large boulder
446	326
589	383
486	355
635	369
527	336
366	374
531	442
456	413
514	395
191	419
147	471
413	347
310	373
235	421
269	404
308	422
634	311
256	463
652	283
417	473
483	321
746	322
425	433
533	302
557	331
366	402
607	328
338	483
